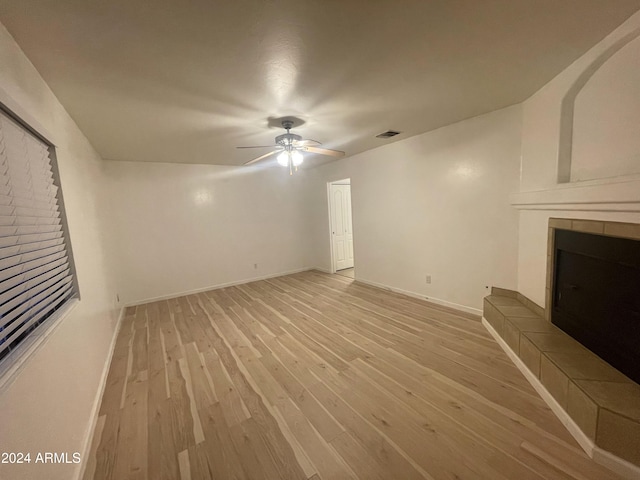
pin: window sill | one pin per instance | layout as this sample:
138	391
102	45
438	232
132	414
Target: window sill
16	361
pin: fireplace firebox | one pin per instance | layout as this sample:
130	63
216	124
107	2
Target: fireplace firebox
596	295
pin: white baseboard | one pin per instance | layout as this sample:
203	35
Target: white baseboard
444	303
215	287
616	464
86	444
604	458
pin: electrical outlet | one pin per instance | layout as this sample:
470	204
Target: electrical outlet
428	278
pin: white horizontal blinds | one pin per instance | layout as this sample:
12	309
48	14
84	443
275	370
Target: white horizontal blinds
35	271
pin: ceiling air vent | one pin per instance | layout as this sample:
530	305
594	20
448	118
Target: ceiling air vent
388	134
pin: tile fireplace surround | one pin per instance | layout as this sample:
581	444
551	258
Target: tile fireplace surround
597	403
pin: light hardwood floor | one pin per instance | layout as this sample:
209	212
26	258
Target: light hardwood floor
313	376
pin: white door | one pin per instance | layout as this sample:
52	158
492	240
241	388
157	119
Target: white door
348	225
341	228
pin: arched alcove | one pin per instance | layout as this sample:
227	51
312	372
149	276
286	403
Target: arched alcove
600	118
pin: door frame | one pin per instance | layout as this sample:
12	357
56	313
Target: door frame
347	181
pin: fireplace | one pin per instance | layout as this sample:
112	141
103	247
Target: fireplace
596	295
574	350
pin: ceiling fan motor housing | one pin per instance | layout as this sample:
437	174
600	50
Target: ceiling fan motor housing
287	139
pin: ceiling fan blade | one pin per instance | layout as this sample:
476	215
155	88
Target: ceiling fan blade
324	151
260	146
262	157
306	143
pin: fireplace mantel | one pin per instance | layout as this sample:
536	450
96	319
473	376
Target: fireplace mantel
620	194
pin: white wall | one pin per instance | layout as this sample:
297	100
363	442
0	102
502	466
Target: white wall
433	204
48	406
179	228
606	122
540	195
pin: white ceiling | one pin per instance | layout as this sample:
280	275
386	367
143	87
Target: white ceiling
186	82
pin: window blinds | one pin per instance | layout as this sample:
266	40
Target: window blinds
35	268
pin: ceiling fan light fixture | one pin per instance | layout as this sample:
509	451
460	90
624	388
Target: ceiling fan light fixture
283	159
297	158
293	157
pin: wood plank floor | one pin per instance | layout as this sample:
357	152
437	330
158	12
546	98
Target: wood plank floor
313	376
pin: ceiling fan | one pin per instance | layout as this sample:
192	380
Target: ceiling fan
289	148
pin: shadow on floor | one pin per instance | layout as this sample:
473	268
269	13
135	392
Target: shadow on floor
347	272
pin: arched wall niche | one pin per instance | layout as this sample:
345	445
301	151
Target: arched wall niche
600	117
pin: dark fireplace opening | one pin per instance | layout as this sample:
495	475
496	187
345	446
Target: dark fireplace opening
596	296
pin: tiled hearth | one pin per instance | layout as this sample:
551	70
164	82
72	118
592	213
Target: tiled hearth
601	401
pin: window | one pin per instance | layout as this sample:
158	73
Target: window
36	266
